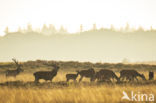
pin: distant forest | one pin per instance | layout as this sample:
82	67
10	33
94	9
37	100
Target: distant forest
73	65
94	45
50	29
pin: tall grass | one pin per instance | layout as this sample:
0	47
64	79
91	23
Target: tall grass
73	93
89	94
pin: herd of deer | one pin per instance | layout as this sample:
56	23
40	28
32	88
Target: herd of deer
102	75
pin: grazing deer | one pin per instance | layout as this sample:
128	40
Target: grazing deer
90	73
151	75
106	75
46	75
131	75
72	76
14	73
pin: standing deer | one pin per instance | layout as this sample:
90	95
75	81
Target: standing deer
90	73
131	75
14	73
106	75
72	76
46	75
151	75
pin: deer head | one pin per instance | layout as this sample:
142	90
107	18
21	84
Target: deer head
78	71
18	65
55	66
143	77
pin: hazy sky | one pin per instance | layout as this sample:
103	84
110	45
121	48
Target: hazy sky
72	13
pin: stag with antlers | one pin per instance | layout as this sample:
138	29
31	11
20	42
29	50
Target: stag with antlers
14	73
46	75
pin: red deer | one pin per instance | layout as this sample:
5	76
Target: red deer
14	73
106	75
46	75
72	76
90	73
151	75
130	75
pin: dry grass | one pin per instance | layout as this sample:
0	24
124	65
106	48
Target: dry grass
84	92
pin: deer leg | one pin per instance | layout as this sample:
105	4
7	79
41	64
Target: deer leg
91	79
36	80
81	79
128	78
113	79
131	79
121	78
136	79
125	78
102	79
109	80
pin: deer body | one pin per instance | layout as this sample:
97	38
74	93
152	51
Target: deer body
106	75
90	73
14	73
46	75
71	76
130	75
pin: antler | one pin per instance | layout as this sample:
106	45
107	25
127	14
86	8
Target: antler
16	62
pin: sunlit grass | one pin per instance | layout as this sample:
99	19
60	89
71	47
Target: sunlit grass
73	93
95	94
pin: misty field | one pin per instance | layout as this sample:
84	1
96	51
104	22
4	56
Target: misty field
22	89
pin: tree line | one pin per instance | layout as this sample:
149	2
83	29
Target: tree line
50	29
65	65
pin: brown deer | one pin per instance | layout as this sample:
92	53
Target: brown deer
151	75
46	75
72	76
89	73
14	73
106	75
131	75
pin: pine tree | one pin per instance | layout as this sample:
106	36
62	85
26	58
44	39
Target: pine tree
29	28
19	30
52	29
6	30
81	28
94	27
62	30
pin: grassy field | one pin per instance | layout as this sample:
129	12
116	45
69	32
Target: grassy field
22	89
82	94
